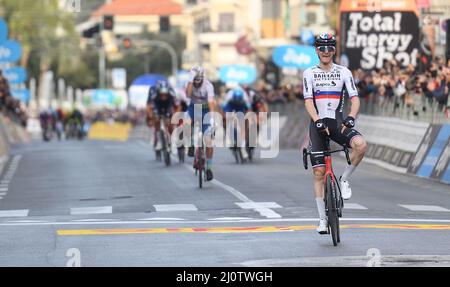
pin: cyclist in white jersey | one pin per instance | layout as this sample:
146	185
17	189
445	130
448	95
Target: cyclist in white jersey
201	93
323	90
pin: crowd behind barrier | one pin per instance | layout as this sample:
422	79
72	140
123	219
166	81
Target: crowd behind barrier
414	93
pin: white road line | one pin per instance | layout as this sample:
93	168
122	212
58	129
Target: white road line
313	220
264	208
229	218
3	189
161	218
91	210
14	213
354	206
175	207
264	211
92	220
424	208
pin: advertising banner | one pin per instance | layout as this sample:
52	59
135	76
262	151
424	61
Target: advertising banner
295	56
241	74
372	32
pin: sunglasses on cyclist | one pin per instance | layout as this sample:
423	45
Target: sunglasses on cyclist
326	48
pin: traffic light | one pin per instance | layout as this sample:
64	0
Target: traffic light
108	22
126	43
164	24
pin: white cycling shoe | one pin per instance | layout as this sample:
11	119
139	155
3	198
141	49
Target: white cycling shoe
323	226
346	191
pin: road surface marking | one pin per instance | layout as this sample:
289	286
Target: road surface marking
142	222
246	229
14	213
175	207
161	218
3	189
354	206
424	208
264	211
92	220
229	218
264	208
91	210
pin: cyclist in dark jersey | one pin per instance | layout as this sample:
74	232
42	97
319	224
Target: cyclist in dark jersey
160	103
323	90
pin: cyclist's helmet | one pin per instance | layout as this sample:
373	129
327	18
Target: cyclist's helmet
162	87
199	75
238	96
325	39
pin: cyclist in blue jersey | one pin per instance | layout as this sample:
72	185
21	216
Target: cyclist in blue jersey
237	101
323	90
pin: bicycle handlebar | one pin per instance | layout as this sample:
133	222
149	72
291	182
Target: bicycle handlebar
324	153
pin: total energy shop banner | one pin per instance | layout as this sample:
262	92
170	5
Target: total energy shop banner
374	31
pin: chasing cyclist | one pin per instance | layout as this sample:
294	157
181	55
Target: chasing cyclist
323	89
201	92
237	101
160	103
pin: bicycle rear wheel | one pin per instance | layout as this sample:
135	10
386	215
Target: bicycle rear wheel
200	166
333	219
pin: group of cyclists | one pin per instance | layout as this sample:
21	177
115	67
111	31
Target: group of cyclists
324	87
163	102
57	122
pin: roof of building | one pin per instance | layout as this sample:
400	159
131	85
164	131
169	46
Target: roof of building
139	7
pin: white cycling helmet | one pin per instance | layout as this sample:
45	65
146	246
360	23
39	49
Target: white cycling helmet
199	72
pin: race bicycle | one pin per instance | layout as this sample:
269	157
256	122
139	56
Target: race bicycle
200	160
163	138
334	204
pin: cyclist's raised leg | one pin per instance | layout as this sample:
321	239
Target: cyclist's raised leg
354	140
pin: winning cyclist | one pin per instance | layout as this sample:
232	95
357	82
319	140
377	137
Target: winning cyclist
323	89
201	92
160	102
237	101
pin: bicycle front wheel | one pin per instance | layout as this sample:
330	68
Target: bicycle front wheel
333	218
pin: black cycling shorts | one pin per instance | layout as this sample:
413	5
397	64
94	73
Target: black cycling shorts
317	141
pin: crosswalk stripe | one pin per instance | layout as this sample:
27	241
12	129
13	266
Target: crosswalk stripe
424	208
175	207
91	210
14	213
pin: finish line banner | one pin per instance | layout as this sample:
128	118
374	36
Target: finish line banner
372	33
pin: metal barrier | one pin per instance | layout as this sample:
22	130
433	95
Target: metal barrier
418	108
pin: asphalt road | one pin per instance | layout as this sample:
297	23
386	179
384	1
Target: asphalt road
95	203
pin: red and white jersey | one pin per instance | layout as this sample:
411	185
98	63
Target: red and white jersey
326	89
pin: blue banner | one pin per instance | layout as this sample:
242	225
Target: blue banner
21	94
428	165
10	51
3	30
241	74
15	75
295	56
